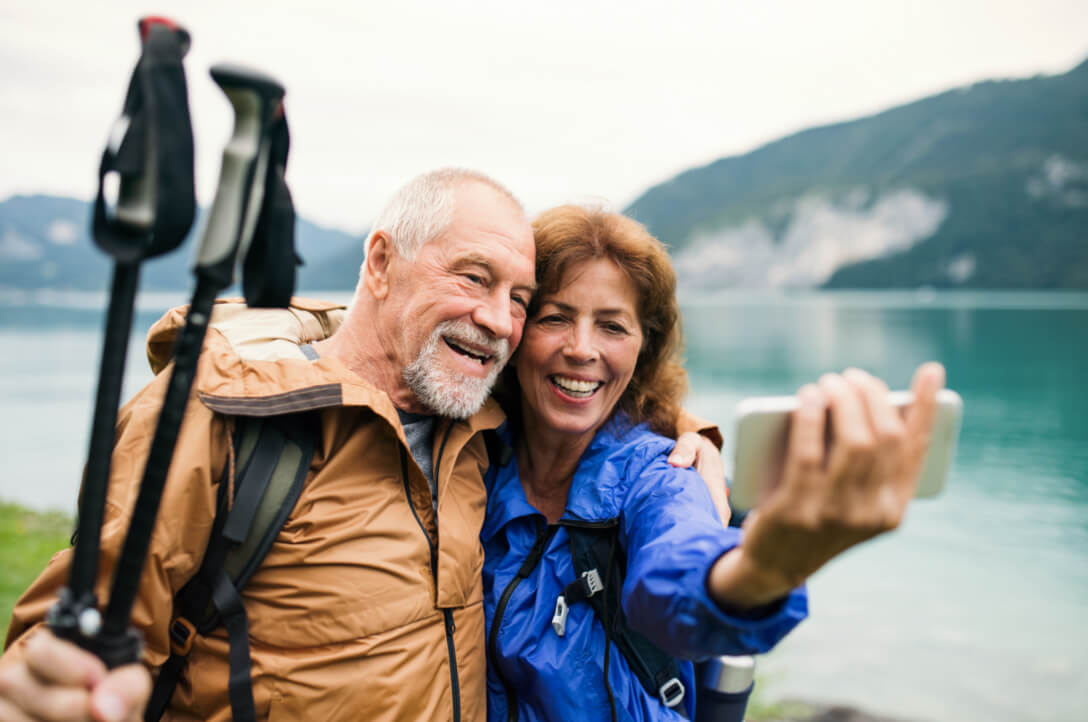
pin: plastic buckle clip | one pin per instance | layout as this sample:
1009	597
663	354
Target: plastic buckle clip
182	633
671	693
559	617
591	580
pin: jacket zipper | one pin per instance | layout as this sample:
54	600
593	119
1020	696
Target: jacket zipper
447	614
544	534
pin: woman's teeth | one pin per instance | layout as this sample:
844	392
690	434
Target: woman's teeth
576	387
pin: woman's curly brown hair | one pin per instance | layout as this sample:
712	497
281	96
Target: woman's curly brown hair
570	235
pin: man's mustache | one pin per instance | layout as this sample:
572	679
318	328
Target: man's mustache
466	333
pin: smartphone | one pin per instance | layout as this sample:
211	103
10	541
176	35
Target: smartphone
762	430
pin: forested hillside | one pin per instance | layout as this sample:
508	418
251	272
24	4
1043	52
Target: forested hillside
984	186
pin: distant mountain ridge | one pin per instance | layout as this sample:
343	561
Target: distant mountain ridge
981	187
45	242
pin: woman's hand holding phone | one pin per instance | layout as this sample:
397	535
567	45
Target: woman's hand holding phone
832	494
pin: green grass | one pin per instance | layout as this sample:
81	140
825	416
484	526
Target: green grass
28	540
764	706
760	711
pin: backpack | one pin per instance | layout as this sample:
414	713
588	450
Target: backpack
600	566
273	457
600	573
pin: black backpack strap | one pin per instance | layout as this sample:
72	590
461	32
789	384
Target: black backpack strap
273	456
499	453
601	567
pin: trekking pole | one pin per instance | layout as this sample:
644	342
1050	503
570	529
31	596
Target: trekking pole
251	160
148	161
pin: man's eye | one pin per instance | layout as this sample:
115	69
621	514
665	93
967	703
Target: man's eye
521	301
474	279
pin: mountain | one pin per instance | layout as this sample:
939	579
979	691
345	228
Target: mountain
983	187
45	242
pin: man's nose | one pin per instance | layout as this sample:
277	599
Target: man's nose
494	315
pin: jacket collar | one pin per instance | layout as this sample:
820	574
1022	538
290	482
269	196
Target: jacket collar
595	494
229	383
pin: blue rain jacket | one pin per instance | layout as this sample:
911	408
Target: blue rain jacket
671	535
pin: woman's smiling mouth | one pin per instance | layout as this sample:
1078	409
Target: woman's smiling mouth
575	388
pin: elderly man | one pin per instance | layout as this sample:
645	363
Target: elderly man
369	603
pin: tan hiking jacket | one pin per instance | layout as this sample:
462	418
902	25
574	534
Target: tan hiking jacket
347	615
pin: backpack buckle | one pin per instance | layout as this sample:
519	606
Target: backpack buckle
591	581
671	693
182	633
559	617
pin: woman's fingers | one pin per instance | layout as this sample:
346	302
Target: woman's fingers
885	421
889	485
696	450
920	417
853	443
801	489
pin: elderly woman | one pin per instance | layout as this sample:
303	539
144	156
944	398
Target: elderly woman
593	396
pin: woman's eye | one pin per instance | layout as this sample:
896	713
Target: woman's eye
615	328
550	319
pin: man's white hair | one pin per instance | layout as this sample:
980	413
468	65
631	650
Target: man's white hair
423	208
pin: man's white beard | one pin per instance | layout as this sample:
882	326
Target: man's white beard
441	390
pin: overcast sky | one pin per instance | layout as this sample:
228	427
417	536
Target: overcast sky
561	101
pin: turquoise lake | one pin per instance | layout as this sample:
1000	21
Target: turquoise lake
973	610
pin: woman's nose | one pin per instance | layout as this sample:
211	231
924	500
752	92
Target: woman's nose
580	346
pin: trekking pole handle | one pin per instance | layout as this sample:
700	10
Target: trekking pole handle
257	99
146	201
132	199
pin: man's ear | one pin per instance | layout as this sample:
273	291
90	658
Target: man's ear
380	256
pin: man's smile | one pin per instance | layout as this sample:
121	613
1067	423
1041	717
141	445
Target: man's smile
482	357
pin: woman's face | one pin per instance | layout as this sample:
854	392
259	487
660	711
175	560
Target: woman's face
579	350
